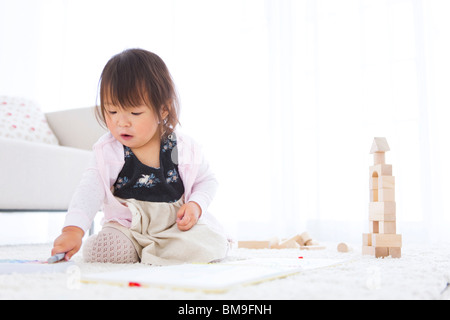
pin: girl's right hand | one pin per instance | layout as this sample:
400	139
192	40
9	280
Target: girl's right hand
69	242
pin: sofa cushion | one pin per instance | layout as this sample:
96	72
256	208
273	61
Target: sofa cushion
22	119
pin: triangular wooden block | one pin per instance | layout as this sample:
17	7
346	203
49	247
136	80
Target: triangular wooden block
379	145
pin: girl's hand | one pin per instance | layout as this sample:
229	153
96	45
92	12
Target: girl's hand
69	242
188	215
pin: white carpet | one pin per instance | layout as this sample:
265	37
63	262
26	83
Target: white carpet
422	273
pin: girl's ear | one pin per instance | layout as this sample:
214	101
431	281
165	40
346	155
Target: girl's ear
164	112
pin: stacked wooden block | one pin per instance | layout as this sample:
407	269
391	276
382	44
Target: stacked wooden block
382	239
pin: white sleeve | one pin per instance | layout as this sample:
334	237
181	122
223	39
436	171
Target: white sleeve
205	186
87	199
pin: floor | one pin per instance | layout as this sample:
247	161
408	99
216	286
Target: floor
421	273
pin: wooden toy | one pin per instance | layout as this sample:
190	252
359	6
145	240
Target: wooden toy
254	244
343	247
302	241
382	239
286	244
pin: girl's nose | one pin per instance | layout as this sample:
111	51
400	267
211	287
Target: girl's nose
123	121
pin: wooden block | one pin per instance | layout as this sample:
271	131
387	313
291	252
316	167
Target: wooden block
382	211
376	252
382	195
273	242
311	243
382	217
386	195
367	239
387	240
379	158
368	250
303	238
254	244
343	247
381	252
379	144
380	170
387	227
373	183
374	226
395	252
299	239
386	182
373	195
286	244
382	207
289	244
313	248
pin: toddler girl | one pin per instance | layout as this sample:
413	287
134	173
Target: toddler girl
151	180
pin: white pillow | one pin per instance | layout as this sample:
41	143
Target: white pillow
22	119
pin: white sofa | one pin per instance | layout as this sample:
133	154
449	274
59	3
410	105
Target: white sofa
43	177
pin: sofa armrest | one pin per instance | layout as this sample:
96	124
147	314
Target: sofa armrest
76	128
39	176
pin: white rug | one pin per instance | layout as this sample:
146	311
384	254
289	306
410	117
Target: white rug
422	273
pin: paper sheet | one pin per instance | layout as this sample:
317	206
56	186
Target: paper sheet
9	266
217	277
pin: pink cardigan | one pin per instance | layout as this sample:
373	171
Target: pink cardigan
94	190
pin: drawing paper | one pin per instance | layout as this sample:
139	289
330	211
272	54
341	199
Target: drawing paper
216	277
8	266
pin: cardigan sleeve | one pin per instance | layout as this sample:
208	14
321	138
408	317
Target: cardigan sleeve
87	199
199	180
205	186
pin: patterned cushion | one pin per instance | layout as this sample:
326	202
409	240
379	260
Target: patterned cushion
22	119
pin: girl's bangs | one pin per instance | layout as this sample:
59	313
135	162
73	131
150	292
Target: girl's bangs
122	95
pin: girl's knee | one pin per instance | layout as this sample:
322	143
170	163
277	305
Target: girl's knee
109	246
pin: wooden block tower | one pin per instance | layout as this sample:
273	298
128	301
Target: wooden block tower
382	239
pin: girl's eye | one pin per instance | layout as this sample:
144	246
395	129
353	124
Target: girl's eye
112	112
136	113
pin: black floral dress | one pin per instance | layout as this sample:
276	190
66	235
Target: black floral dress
141	182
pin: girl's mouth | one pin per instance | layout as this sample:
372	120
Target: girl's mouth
126	136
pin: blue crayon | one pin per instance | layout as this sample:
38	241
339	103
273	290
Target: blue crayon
56	258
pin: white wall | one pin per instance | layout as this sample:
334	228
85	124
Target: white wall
285	95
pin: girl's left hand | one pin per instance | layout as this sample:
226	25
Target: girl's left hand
188	215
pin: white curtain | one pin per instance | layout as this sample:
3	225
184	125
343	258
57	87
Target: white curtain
285	95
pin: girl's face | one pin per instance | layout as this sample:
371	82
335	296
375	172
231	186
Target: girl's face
134	127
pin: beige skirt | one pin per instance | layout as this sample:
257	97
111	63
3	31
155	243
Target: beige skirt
158	241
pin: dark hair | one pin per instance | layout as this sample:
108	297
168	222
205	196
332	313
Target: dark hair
138	77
